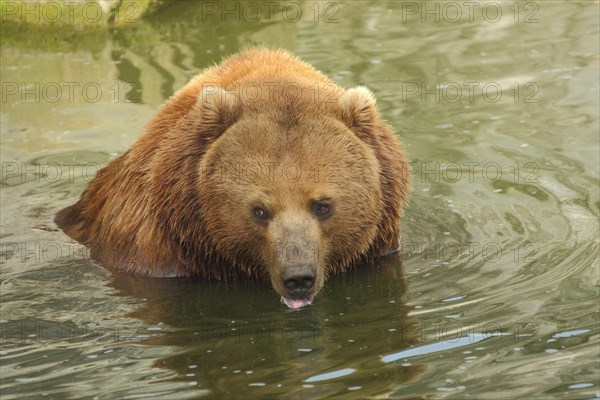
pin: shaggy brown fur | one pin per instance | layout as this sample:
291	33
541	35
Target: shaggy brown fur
260	130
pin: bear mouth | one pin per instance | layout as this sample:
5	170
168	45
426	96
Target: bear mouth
295	304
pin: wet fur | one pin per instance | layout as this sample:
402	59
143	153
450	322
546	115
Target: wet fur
155	210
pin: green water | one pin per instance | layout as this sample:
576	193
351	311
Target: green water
496	295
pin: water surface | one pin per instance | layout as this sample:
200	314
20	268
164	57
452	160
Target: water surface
494	296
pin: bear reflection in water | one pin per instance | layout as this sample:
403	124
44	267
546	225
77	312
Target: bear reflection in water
260	168
217	332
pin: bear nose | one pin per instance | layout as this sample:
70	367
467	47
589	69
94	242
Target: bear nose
299	283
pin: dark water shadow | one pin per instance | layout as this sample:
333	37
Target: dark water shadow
237	336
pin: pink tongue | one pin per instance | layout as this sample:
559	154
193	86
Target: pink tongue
293	303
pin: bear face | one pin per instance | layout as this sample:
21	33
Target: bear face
287	186
293	201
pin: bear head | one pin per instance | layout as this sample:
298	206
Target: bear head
291	192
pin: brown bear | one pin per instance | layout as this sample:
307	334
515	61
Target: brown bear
260	167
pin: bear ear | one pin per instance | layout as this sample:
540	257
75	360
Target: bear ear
357	109
218	107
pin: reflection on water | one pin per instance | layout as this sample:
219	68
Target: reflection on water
235	336
494	295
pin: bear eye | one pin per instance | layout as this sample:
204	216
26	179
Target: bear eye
260	214
321	210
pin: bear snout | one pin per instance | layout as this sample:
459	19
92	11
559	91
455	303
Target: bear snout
299	280
297	285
